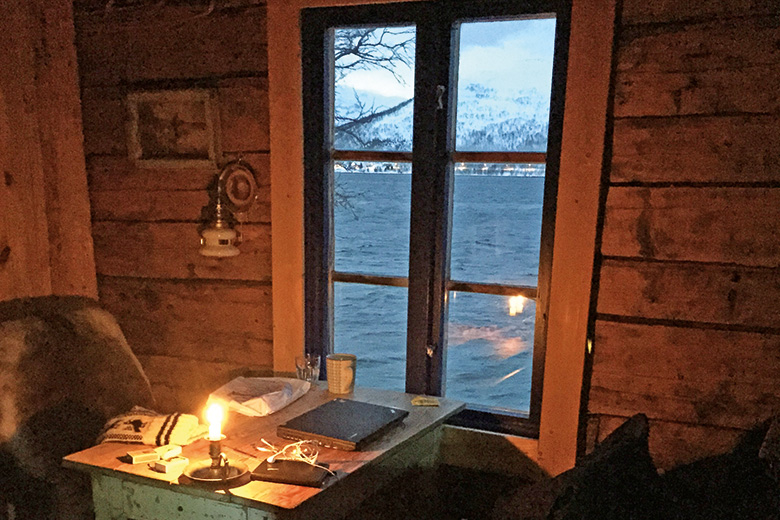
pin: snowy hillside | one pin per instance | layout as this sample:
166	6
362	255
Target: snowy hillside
386	130
488	120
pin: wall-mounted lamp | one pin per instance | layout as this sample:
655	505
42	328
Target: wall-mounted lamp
236	192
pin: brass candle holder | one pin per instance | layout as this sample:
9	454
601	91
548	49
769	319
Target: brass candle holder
218	471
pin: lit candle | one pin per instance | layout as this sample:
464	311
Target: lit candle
214	415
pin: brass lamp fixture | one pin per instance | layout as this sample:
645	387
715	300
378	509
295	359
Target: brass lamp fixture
218	238
236	193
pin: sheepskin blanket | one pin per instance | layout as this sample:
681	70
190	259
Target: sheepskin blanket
65	368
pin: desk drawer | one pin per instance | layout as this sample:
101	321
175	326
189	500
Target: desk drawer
117	499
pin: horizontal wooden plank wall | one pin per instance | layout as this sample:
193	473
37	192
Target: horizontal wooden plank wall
194	322
688	312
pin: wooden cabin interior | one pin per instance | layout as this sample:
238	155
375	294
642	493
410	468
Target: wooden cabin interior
665	297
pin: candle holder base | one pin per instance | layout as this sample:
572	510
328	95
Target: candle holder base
204	472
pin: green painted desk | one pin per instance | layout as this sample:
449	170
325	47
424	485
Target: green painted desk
134	492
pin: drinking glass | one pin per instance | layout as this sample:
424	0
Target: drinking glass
307	367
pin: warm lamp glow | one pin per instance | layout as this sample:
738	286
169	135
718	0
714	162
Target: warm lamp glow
516	305
214	415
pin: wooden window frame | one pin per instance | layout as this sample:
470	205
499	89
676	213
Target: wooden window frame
433	160
582	161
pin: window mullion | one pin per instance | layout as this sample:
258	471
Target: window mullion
318	217
430	212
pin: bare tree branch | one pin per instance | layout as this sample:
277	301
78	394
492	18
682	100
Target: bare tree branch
343	198
373	48
358	110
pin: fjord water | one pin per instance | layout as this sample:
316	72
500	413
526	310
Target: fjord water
504	77
496	227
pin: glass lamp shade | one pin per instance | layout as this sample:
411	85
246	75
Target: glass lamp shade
218	241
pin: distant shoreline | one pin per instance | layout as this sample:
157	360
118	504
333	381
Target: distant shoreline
367	172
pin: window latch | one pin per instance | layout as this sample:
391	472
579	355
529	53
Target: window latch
440	90
429	350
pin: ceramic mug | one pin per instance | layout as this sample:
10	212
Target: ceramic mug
341	373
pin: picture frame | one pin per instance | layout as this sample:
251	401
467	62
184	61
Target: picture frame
172	128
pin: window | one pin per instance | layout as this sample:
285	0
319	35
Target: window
431	147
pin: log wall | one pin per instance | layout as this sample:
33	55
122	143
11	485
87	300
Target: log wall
45	238
687	323
194	322
687	328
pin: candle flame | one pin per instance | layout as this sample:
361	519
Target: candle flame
516	305
214	415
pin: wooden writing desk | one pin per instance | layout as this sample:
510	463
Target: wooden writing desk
135	492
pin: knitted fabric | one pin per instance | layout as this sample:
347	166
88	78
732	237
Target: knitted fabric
143	426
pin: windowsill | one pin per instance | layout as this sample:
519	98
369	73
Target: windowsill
494	421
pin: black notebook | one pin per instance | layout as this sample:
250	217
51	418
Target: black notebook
291	472
342	424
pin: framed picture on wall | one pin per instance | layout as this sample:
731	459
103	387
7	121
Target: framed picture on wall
171	128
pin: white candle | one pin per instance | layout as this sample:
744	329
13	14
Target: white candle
214	414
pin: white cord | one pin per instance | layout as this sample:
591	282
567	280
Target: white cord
302	451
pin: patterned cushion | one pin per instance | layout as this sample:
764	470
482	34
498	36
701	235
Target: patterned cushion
617	480
770	449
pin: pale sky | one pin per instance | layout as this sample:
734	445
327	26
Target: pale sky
507	55
513	55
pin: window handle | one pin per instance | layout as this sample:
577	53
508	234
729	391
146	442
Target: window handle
440	90
429	350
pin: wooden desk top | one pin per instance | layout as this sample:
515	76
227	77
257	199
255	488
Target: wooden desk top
243	433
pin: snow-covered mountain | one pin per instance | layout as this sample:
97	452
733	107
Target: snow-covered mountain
487	120
386	130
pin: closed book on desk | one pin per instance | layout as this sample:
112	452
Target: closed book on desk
342	424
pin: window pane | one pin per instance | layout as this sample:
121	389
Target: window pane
489	351
504	80
371	217
374	88
497	223
370	322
